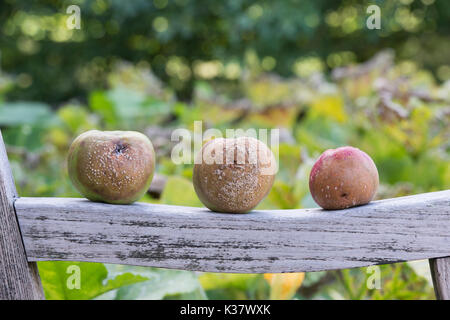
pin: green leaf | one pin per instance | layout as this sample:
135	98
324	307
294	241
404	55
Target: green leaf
127	103
180	191
313	277
160	283
422	269
283	196
27	136
102	105
20	113
75	117
155	108
318	134
58	276
240	281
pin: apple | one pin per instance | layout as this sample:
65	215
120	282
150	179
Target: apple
111	166
233	175
342	178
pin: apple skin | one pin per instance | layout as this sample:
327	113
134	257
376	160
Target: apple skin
342	178
234	187
111	166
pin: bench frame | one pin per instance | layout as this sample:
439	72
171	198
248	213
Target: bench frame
386	231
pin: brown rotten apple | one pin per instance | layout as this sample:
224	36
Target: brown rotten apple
342	178
233	175
111	166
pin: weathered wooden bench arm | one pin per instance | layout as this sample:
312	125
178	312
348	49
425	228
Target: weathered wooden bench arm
386	231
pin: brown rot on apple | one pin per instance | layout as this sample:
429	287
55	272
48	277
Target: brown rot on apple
233	175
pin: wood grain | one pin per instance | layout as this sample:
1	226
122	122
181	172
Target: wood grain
18	278
440	271
387	231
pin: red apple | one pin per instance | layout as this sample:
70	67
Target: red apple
342	178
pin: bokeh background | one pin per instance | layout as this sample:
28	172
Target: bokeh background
310	68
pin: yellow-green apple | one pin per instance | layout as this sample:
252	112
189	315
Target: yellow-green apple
111	166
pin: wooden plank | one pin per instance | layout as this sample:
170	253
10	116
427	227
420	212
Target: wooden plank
18	278
387	231
440	271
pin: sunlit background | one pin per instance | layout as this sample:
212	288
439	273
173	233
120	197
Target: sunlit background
310	68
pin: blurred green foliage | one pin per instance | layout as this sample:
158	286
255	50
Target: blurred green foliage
300	66
187	40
